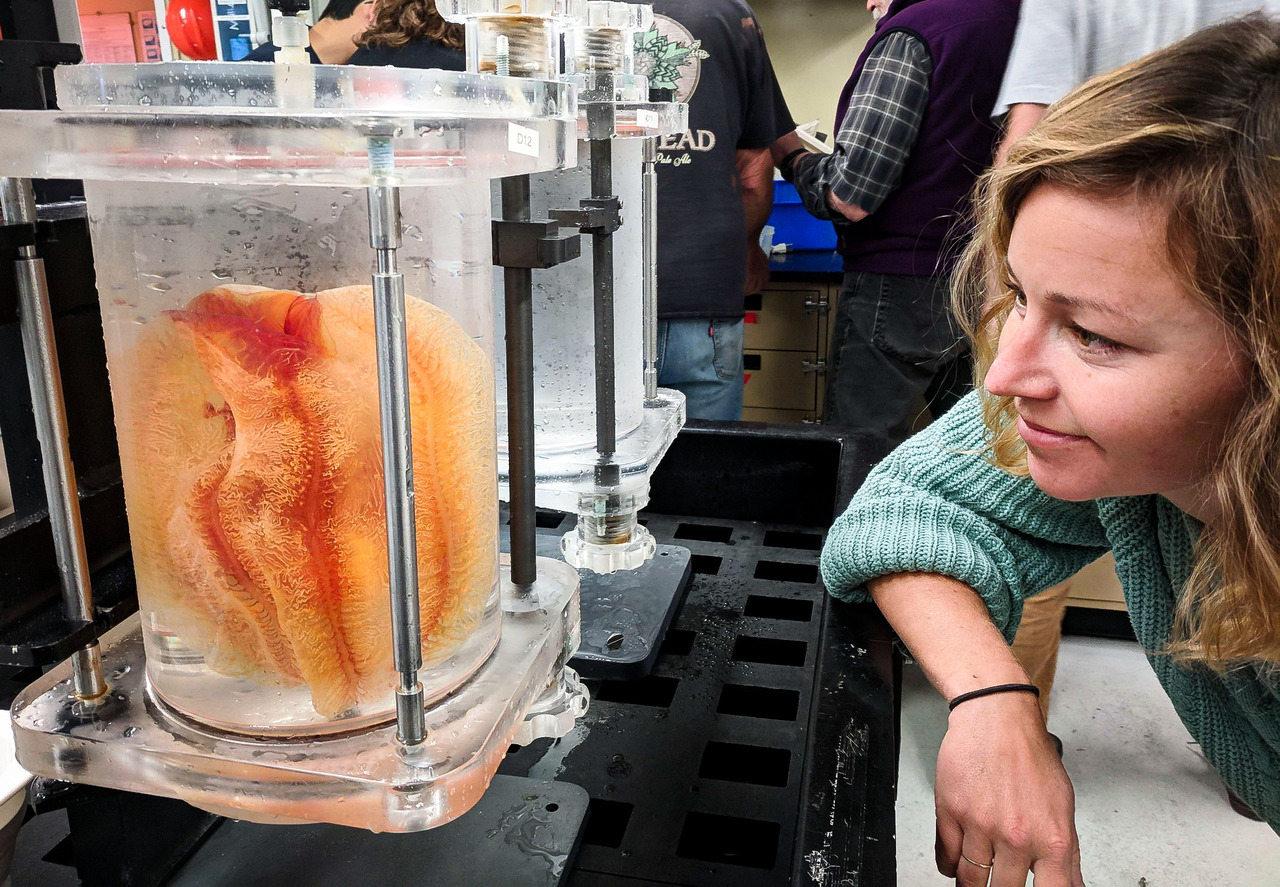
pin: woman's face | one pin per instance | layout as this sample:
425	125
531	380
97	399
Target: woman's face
1123	383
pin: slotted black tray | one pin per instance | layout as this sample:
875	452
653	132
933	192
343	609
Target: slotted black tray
761	748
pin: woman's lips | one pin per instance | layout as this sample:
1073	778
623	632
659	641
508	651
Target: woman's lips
1044	438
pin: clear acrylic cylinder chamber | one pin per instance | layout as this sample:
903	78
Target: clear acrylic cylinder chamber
231	241
240	340
227	206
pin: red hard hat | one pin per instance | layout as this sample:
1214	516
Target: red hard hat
190	24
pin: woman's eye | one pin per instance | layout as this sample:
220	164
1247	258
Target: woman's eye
1019	298
1094	342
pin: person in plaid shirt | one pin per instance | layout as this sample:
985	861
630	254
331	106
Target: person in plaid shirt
914	134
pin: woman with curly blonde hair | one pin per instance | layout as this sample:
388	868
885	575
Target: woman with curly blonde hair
412	34
1123	297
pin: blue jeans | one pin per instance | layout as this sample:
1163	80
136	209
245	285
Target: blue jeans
703	359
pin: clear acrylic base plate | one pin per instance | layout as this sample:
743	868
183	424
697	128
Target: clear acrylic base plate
365	780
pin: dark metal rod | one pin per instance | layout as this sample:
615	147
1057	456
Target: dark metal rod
517	286
602	278
17	204
397	454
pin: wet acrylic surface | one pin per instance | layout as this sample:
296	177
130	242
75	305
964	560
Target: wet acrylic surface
363	779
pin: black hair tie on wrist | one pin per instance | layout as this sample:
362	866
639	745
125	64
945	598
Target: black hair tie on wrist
991	691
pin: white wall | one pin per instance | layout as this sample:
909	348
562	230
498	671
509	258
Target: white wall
813	44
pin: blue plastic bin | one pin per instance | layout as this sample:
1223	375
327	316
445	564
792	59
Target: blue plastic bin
793	225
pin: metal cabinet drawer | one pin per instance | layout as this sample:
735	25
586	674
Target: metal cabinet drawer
786	318
782	380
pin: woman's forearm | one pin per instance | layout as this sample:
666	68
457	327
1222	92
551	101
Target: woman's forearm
948	630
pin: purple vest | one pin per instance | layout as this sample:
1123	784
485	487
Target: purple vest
922	225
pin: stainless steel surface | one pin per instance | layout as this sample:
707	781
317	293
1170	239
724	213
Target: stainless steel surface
384	217
61	210
86	673
67	16
397	450
649	214
411	716
17	204
518	294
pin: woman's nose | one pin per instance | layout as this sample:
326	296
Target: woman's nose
1020	368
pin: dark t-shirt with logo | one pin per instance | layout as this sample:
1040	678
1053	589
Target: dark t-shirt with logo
713	54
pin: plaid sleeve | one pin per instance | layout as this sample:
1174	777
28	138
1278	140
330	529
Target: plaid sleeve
879	128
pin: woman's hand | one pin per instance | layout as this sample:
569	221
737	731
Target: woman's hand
1003	798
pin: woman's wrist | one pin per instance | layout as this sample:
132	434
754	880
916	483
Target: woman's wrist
1011	687
1001	708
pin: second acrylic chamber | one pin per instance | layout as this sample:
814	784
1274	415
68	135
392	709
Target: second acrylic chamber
564	315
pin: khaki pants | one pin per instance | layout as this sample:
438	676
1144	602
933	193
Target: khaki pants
1036	644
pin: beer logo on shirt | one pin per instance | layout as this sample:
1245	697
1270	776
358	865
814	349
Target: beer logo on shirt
670	57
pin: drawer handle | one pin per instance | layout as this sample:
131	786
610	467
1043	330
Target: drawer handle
813	366
820	305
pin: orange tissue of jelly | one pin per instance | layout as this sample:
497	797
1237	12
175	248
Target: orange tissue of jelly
253	464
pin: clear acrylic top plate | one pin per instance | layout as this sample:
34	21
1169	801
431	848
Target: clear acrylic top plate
290	124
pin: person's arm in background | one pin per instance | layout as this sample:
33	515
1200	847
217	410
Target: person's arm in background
875	139
766	118
1017	123
1044	65
755	176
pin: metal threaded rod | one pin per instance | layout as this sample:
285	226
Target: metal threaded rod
17	204
517	284
649	213
600	51
602	274
397	442
528	45
503	56
608	529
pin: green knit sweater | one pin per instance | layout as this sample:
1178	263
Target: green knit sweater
936	505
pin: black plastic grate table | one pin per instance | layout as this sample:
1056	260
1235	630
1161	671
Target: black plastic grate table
760	750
